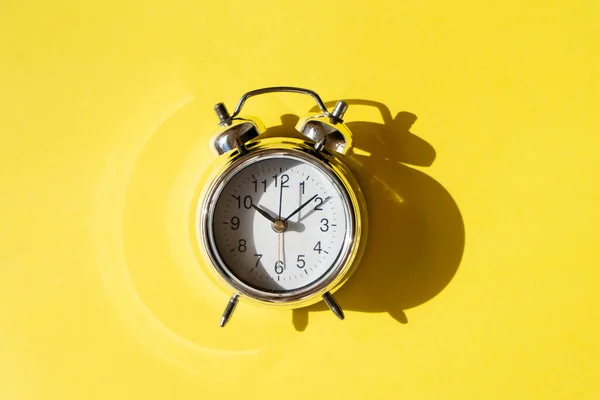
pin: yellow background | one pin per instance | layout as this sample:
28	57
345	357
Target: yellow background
481	277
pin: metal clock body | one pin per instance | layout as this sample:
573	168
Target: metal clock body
282	221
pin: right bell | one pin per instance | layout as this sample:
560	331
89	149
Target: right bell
328	131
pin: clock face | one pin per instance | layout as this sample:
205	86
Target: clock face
281	223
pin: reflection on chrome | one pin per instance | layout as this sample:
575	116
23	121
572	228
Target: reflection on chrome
107	235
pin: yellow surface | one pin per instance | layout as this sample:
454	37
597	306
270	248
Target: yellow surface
106	108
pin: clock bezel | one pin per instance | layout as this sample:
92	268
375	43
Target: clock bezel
347	186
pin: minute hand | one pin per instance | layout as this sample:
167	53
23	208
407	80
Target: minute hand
300	208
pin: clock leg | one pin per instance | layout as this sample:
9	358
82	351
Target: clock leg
335	307
229	309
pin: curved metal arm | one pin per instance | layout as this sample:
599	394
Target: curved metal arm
288	89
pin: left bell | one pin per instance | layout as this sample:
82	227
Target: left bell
233	133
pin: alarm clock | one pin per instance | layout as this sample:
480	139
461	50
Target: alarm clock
281	222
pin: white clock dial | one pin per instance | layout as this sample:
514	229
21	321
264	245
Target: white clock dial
281	223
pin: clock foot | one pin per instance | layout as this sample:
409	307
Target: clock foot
335	307
229	309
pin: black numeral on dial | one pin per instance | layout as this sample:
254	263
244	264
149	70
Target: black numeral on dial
247	201
324	225
283	180
264	183
319	202
279	267
318	248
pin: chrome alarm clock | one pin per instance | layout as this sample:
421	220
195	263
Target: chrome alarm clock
282	221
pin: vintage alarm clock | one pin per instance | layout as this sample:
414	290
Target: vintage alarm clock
282	221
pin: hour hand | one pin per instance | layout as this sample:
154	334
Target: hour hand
264	213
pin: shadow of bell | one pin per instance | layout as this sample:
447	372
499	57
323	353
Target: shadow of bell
391	139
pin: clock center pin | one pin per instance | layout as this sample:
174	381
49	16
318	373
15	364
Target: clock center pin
279	225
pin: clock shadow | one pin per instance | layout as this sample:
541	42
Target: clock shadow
416	234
